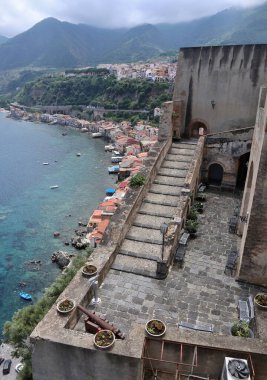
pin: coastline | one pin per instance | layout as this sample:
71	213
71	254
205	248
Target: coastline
34	240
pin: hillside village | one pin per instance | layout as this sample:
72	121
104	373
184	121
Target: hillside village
157	71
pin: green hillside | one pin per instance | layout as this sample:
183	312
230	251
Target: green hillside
96	91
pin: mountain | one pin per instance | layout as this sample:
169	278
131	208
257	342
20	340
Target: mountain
55	44
3	39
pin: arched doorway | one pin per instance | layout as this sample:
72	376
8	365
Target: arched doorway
215	174
197	128
242	171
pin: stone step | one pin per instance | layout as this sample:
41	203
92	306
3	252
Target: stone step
151	209
183	152
142	267
165	189
175	163
177	158
150	221
172	172
187	145
170	181
144	235
141	250
160	199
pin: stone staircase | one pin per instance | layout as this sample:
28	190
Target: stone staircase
142	246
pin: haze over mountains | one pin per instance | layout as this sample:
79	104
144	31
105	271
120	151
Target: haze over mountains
52	43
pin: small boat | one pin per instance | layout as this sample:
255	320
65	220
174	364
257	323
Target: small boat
25	296
110	191
116	153
45	163
113	169
109	148
115	159
64	134
78	154
54	187
96	134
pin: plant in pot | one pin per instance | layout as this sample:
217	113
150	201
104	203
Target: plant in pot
65	306
155	327
104	339
241	329
89	270
201	197
261	300
198	206
191	227
192	215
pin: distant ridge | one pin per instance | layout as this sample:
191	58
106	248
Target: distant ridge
55	44
3	39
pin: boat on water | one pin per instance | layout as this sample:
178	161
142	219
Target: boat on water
113	169
54	187
25	296
78	154
115	159
109	148
45	163
96	134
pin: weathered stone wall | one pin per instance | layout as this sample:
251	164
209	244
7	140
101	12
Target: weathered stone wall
225	148
253	253
219	86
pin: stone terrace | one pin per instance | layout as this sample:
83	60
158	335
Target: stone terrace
198	292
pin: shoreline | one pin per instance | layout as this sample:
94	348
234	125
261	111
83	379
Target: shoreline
66	227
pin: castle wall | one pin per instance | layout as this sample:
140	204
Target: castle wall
219	86
253	255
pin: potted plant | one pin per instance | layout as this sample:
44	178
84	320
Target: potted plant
241	329
155	327
191	227
89	270
198	206
65	306
261	300
104	339
201	197
192	215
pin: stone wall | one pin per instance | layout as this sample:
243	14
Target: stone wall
253	254
219	86
225	149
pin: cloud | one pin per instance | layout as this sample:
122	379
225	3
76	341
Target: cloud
19	15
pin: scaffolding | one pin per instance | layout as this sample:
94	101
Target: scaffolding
168	360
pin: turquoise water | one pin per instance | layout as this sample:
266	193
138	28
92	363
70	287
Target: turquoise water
30	211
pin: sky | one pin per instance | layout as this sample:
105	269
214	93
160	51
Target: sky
16	16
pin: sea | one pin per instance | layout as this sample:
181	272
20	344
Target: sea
30	211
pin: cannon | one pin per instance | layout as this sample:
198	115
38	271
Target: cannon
95	322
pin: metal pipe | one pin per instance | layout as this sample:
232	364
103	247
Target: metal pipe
93	283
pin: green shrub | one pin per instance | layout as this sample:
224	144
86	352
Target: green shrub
191	226
18	330
241	328
137	180
192	215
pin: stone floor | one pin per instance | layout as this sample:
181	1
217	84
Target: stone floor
199	292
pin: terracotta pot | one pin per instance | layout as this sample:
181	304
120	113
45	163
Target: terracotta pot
89	270
64	304
257	300
152	325
99	339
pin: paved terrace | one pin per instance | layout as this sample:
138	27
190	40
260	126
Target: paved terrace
199	292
